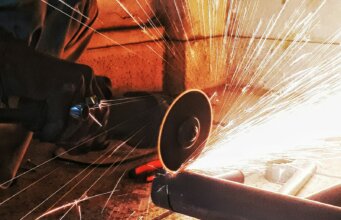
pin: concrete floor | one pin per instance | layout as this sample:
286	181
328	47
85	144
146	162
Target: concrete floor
58	182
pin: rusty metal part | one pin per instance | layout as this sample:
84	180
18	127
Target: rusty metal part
299	179
205	197
185	129
330	196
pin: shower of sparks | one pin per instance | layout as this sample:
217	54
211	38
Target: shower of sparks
299	133
296	115
111	150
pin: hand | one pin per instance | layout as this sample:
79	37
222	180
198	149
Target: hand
83	135
28	74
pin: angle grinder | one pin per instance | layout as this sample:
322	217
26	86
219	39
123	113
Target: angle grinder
35	111
184	130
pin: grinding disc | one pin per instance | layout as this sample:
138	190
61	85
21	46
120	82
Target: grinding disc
185	129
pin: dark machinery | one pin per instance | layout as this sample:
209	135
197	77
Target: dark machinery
13	148
183	134
34	112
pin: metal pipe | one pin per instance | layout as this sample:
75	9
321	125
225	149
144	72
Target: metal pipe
330	196
206	197
234	176
299	179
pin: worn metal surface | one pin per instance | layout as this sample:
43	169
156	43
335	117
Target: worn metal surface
331	195
210	198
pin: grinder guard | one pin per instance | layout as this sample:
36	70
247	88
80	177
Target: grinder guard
185	129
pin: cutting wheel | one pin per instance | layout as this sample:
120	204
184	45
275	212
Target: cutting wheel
185	129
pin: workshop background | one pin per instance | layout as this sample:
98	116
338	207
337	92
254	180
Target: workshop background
275	63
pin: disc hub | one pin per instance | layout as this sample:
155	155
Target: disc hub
188	132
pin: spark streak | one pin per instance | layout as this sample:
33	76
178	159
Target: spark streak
295	116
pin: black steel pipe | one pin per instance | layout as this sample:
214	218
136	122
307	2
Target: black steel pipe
210	198
330	196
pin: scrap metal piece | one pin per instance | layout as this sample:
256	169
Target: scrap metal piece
234	176
279	171
206	197
185	129
299	179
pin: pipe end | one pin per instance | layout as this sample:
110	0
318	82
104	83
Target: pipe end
160	191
